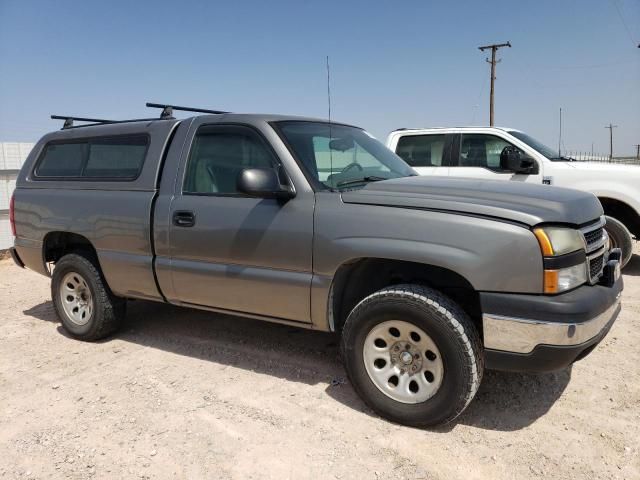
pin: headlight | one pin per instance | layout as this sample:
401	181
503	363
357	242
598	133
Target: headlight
556	241
565	264
562	279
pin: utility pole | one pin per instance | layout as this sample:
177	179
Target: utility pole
611	127
494	48
637	151
560	135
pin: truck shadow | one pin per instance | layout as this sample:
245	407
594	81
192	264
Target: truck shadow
633	267
505	401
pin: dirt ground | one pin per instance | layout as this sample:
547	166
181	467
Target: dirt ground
187	394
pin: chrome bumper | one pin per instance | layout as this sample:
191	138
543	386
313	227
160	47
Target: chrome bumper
521	335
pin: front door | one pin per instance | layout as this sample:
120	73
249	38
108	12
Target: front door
477	155
231	251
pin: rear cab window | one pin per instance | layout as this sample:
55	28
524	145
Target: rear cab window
103	158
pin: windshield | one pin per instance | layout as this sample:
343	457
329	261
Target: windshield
536	145
339	156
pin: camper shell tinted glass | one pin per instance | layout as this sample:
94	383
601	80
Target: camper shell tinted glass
95	158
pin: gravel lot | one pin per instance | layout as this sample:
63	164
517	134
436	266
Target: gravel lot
187	394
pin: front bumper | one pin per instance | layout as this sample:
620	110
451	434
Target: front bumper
538	333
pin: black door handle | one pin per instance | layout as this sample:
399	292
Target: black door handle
184	218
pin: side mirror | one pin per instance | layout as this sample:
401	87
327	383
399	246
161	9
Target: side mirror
262	183
514	160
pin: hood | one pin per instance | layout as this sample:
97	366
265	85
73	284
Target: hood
514	201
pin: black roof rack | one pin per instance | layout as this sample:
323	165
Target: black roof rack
167	110
68	120
167	114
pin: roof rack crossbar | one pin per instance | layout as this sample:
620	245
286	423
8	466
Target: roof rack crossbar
167	110
68	120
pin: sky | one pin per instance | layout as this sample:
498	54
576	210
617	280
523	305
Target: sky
393	64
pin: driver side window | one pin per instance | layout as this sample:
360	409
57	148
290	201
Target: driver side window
218	155
479	150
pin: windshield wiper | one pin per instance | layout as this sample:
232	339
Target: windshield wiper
367	179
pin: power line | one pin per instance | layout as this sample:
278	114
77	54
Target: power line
494	48
477	104
590	66
626	27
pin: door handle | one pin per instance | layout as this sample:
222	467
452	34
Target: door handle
184	218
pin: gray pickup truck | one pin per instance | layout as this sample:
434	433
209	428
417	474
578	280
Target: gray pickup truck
316	224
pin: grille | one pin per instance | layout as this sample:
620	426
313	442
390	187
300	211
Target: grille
593	237
595	267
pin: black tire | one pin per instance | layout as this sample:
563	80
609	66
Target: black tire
108	310
620	237
451	330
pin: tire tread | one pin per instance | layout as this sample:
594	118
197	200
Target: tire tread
431	301
109	310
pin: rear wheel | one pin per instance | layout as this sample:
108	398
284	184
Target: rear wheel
620	237
85	305
413	355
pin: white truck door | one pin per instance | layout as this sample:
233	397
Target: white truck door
477	155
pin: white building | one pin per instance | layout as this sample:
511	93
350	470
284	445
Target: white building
12	156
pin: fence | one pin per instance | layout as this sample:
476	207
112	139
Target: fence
591	157
12	156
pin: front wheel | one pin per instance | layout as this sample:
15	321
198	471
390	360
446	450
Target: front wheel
413	355
620	237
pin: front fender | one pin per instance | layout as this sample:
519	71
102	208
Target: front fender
490	254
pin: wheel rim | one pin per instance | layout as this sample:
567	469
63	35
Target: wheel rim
403	362
76	298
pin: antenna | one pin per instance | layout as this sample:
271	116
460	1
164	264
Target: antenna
329	88
329	105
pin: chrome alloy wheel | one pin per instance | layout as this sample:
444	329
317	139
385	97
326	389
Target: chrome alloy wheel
403	362
76	298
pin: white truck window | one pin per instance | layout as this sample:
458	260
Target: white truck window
479	150
421	150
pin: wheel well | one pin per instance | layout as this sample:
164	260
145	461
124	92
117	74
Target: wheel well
623	212
358	279
58	244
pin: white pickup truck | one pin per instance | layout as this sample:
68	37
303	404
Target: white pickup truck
509	154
